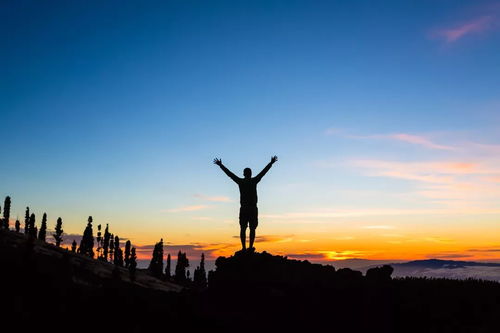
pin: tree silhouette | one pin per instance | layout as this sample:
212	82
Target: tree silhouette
32	230
59	231
127	253
111	247
180	267
6	213
18	225
73	246
27	221
168	269
133	264
105	245
118	253
200	275
156	264
43	228
99	241
87	242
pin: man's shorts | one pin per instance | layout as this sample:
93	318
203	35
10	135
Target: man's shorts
248	217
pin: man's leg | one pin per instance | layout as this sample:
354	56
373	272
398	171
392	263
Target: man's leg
252	237
243	228
243	237
254	222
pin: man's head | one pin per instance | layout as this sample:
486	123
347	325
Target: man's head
247	173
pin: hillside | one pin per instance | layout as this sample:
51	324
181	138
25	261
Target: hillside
42	284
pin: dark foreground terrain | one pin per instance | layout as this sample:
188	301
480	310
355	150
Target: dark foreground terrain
47	288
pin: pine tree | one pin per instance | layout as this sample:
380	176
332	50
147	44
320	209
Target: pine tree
118	253
180	267
18	225
160	257
106	243
32	230
127	253
73	246
99	240
59	231
168	269
6	213
43	228
27	221
111	248
133	264
87	242
200	275
156	264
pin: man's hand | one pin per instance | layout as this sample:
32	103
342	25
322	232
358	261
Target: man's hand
218	161
274	159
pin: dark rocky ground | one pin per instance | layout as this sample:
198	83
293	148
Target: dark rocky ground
43	287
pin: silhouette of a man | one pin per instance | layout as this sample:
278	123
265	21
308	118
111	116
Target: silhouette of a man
248	199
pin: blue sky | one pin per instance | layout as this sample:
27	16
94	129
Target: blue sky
117	109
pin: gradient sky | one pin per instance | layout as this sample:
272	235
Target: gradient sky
385	117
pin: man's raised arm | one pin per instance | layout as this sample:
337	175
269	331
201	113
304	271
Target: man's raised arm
266	169
231	175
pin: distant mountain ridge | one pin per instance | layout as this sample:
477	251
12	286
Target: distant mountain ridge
450	269
439	263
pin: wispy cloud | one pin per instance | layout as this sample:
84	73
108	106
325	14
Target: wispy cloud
272	238
418	140
439	240
327	255
441	180
312	216
191	208
213	198
431	172
344	238
494	249
203	218
385	227
459	31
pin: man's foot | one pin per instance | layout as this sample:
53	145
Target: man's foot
242	251
251	249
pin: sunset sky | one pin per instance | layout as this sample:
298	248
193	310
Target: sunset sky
385	118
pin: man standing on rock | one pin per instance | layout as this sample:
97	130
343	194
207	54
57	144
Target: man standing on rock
248	199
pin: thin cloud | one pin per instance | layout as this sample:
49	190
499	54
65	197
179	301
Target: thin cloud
384	227
344	238
439	240
191	208
442	181
474	26
213	198
327	255
419	140
272	238
485	250
448	256
203	218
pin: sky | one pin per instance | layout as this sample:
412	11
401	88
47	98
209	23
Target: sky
385	117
